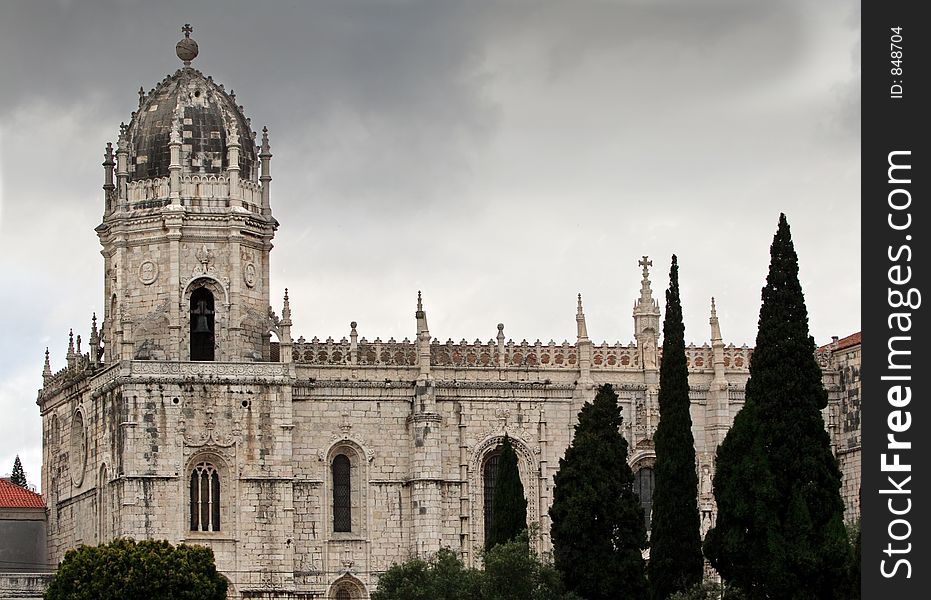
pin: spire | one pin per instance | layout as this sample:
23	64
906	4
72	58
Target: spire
581	328
265	148
353	343
584	345
122	162
646	309
500	340
646	292
94	348
715	326
717	359
108	164
286	309
70	354
47	369
421	316
422	340
284	353
265	155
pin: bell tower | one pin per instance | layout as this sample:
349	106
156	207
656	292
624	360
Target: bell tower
187	227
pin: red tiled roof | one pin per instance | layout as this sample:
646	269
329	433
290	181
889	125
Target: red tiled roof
13	496
851	340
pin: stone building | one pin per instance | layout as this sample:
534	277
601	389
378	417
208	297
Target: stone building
840	362
24	566
308	466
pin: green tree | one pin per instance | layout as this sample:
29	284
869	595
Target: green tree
853	532
150	569
509	506
511	572
444	577
19	476
709	591
780	530
676	561
597	529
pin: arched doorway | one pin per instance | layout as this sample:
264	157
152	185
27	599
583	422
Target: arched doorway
203	330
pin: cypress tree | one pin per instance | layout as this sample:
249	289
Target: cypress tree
19	476
780	530
597	523
509	506
675	542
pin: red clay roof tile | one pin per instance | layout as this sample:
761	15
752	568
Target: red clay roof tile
13	496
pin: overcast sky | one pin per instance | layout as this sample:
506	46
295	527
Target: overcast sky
502	157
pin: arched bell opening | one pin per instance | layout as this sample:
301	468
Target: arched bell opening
203	327
274	347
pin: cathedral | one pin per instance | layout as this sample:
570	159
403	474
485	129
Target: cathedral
193	413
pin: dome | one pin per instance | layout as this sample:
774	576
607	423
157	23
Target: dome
203	116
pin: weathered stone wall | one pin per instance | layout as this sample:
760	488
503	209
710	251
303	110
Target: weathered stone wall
843	364
416	453
23	586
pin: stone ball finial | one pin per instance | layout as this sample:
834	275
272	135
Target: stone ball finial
186	49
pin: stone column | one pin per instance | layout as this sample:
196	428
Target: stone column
426	451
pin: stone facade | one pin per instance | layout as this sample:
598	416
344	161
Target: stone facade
840	361
249	456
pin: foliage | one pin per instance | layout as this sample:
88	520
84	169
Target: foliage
780	530
511	572
597	529
509	506
709	591
19	476
676	561
150	569
444	577
854	530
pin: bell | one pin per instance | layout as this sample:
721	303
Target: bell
202	326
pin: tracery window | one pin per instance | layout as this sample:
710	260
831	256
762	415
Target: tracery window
644	482
343	594
489	476
205	498
342	493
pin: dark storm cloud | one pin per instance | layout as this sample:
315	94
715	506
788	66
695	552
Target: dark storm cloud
501	156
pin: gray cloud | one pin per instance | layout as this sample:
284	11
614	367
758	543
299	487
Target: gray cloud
500	156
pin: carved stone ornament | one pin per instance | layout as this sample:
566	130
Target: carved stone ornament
249	274
78	450
148	272
204	256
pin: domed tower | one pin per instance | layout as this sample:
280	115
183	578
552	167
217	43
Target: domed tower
187	226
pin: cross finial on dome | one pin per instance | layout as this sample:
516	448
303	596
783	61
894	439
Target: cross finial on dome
186	49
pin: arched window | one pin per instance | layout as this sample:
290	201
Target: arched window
643	487
103	532
202	325
343	594
489	475
205	498
342	493
56	431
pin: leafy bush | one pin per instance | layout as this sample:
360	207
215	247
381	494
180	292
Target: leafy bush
150	569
